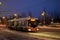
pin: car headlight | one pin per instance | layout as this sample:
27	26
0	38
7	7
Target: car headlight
29	29
37	29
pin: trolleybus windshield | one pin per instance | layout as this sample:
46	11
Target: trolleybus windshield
33	23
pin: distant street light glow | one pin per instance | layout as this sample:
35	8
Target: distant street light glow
0	3
3	17
43	14
15	14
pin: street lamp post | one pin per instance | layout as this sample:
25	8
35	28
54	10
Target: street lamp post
4	20
52	21
43	15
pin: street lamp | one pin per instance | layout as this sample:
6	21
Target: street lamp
3	17
0	3
15	14
52	21
43	14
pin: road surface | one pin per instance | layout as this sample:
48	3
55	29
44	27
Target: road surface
45	33
14	35
6	34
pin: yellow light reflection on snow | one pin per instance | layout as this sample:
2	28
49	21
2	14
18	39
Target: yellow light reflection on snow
45	35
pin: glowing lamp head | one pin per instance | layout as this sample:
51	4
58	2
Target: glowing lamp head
15	14
43	13
3	17
0	3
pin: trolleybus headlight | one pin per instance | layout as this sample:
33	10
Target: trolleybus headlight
37	29
29	29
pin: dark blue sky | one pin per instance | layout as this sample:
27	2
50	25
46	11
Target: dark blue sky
35	6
